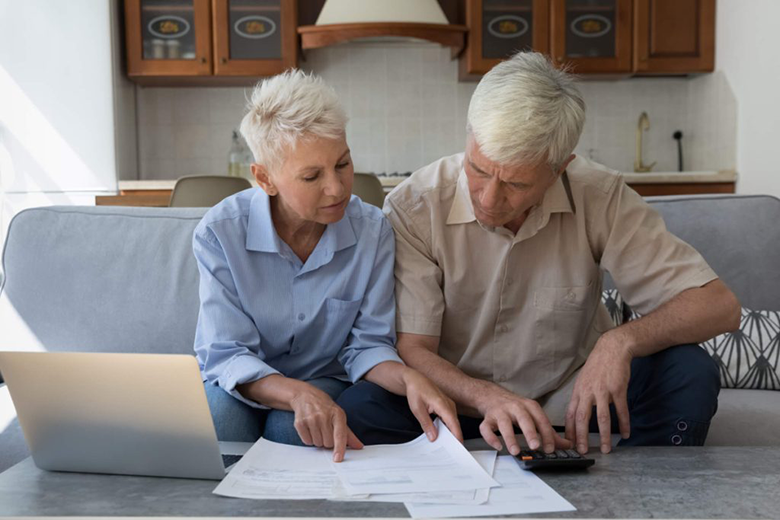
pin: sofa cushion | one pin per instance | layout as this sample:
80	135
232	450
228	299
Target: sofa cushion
746	418
107	279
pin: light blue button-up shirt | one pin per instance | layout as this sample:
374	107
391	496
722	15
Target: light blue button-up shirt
263	311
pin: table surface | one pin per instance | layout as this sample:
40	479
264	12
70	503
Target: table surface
652	482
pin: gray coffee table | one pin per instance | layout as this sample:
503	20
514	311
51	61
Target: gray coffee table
717	482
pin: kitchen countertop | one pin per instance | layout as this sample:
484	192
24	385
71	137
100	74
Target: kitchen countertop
630	178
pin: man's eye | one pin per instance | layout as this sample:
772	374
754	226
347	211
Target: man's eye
310	179
342	165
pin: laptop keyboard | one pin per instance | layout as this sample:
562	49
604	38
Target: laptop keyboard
229	460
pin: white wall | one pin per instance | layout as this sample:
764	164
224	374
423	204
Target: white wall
748	42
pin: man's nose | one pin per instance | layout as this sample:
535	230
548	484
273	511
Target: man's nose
491	196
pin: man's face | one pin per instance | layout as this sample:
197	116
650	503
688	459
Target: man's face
502	195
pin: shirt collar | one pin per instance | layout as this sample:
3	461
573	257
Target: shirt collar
461	212
261	234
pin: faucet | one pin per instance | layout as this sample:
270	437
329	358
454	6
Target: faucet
644	124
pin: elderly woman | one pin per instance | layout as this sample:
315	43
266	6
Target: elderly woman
296	284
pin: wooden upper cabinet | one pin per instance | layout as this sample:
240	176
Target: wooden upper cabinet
674	36
254	37
499	28
592	36
168	38
209	42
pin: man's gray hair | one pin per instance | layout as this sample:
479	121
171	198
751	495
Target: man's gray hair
525	111
287	108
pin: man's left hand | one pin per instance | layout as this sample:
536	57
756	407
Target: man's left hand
603	380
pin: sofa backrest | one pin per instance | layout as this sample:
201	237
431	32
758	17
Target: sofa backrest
738	235
123	279
105	279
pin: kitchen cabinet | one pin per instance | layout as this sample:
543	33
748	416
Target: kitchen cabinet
209	42
609	38
499	28
674	36
592	36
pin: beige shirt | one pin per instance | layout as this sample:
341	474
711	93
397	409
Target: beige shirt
525	310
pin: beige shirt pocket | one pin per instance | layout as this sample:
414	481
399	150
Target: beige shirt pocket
563	316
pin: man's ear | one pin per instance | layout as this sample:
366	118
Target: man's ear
263	178
566	164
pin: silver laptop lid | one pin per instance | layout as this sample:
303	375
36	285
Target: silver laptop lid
129	414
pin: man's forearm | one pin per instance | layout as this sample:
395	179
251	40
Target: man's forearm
692	316
468	393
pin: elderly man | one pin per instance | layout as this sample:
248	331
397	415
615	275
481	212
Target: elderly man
499	259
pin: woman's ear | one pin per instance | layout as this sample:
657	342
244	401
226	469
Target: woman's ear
263	178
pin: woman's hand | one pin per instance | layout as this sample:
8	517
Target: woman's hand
321	422
424	399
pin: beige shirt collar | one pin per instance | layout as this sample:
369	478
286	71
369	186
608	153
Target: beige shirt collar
557	199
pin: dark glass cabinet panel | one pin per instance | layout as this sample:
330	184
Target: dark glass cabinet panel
168	30
591	28
507	27
255	29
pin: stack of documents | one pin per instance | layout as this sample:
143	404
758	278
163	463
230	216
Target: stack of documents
437	479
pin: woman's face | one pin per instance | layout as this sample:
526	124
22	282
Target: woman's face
314	183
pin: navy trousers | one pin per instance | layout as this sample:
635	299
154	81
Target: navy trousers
672	397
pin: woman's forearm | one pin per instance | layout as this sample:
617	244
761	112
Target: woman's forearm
275	391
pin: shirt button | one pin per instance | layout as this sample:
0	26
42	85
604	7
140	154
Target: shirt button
301	317
509	281
502	328
569	296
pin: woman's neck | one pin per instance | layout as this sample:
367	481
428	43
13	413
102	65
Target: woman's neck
301	235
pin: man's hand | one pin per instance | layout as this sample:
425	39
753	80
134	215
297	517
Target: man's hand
603	380
321	422
503	410
424	399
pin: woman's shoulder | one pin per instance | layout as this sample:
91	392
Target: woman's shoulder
231	209
365	215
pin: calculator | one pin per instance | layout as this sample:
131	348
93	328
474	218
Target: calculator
559	459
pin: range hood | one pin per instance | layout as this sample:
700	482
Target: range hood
345	20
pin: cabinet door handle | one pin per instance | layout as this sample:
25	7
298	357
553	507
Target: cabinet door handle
224	60
203	60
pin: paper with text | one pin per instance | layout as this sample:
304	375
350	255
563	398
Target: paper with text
521	492
419	466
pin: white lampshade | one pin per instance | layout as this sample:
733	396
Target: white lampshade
372	11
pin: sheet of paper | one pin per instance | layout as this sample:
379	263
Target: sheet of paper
521	492
272	470
414	467
486	459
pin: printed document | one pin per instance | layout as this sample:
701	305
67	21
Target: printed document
272	470
521	492
486	459
419	466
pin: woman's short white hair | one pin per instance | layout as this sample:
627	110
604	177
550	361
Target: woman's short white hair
525	111
287	108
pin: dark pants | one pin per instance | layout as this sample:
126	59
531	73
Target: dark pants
672	397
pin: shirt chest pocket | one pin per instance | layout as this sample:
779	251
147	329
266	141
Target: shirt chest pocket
562	318
337	319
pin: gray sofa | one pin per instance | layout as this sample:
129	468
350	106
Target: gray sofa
124	280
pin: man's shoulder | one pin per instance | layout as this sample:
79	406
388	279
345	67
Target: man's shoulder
591	177
433	184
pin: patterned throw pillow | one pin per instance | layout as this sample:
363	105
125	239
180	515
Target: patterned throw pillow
748	357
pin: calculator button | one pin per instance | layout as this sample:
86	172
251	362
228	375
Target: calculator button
562	454
551	455
574	454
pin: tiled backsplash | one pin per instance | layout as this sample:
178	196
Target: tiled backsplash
406	109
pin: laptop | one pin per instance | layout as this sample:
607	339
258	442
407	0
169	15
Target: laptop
125	414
